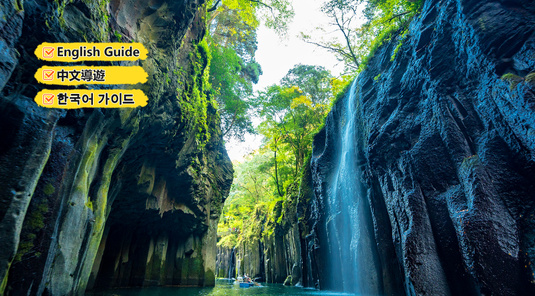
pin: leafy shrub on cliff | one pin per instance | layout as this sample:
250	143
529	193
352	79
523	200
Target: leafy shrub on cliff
194	95
514	79
340	87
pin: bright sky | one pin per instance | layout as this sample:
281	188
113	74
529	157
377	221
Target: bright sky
277	56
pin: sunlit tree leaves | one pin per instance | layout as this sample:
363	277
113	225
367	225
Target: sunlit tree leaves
232	26
291	113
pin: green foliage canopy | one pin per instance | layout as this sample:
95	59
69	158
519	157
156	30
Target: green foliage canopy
291	113
233	43
265	183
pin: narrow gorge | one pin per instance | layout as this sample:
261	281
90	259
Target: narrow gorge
421	180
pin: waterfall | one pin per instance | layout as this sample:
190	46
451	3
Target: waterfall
232	264
353	255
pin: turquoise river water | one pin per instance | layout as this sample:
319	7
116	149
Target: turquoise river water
222	288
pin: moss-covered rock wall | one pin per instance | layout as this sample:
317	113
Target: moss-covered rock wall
97	198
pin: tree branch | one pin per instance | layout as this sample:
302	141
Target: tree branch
334	49
398	15
214	7
262	3
277	171
231	125
348	41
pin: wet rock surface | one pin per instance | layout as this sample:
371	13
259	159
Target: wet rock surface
108	198
447	151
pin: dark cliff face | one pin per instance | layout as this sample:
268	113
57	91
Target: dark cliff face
100	198
448	152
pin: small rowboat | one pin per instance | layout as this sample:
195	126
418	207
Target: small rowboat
246	285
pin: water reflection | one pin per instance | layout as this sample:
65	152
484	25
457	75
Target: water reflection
222	288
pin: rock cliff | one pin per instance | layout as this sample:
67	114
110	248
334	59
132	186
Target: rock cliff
108	198
446	140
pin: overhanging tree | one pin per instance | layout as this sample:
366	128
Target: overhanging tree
361	36
232	25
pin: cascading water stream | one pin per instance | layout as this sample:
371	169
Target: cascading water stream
353	255
231	264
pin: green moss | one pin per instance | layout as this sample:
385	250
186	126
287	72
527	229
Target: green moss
118	36
49	189
400	43
511	76
343	93
25	247
153	267
89	204
34	222
288	281
4	280
60	8
124	113
99	12
98	203
513	79
196	267
376	78
469	163
384	24
385	36
530	78
273	218
209	278
184	271
195	99
18	6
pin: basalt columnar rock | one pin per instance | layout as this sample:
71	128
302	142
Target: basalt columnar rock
118	197
446	142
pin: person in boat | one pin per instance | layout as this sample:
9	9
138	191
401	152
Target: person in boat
247	279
